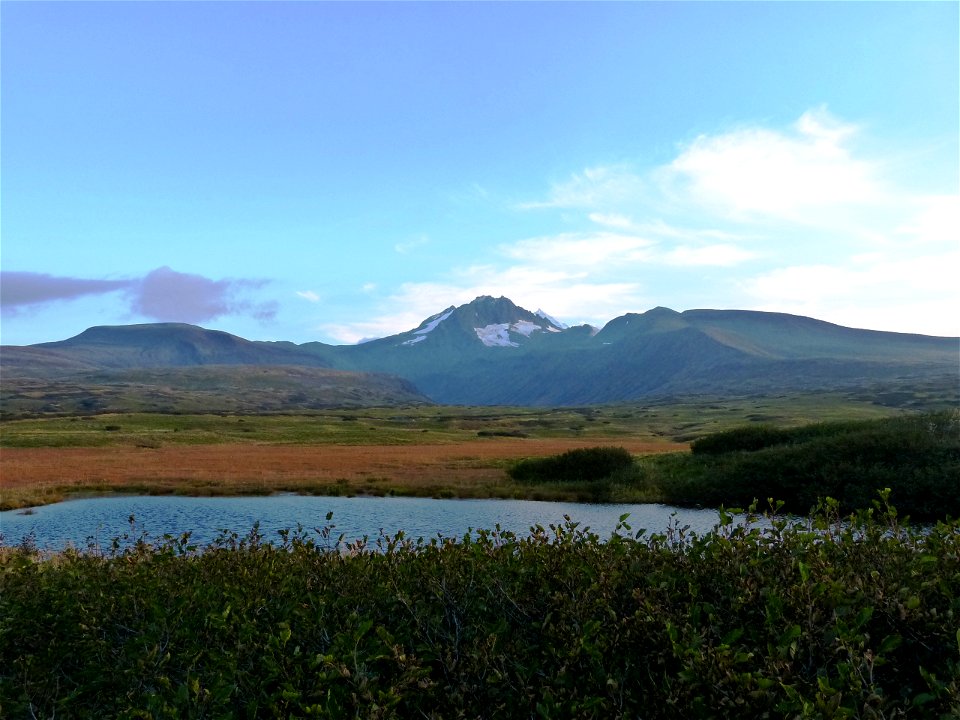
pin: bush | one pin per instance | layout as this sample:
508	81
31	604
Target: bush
917	456
583	464
749	437
813	619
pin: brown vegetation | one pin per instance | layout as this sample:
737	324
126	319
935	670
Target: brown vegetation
464	469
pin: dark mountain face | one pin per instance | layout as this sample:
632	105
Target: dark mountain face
491	351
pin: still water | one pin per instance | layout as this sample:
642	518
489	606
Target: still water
97	521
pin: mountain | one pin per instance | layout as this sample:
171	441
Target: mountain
173	367
486	322
465	355
493	352
167	345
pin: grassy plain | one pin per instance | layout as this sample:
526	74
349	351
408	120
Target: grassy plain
424	450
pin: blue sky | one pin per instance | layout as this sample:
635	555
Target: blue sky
335	171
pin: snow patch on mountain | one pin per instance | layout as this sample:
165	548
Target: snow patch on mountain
553	320
433	322
414	341
496	335
525	327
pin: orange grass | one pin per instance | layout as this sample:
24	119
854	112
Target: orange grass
34	476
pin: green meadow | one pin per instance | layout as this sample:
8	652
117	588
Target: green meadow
674	419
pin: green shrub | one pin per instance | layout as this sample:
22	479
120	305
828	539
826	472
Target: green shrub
583	464
749	437
917	456
808	619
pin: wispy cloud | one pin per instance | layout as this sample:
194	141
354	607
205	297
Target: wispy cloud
308	295
22	289
163	294
409	245
580	250
595	187
621	222
664	231
708	255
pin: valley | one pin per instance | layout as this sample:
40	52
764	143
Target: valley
425	450
441	410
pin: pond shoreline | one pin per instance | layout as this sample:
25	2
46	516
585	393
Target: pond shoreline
78	521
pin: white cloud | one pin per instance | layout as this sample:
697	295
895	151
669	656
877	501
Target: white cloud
935	220
595	187
716	255
659	228
352	333
762	172
881	292
581	250
621	222
308	295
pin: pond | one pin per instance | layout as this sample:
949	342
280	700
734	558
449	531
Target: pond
96	521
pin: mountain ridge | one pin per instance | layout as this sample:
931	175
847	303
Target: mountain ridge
491	351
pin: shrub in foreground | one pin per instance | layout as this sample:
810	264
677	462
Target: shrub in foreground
818	619
582	464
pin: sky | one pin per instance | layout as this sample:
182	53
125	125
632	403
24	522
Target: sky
339	171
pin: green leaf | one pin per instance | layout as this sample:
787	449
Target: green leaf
863	616
732	636
363	628
792	633
890	642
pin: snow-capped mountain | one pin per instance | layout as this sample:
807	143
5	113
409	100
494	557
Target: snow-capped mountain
486	321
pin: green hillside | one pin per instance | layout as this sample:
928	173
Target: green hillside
205	389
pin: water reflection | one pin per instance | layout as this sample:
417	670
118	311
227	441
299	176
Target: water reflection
97	521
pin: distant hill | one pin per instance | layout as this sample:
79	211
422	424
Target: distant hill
169	345
205	389
173	367
492	352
